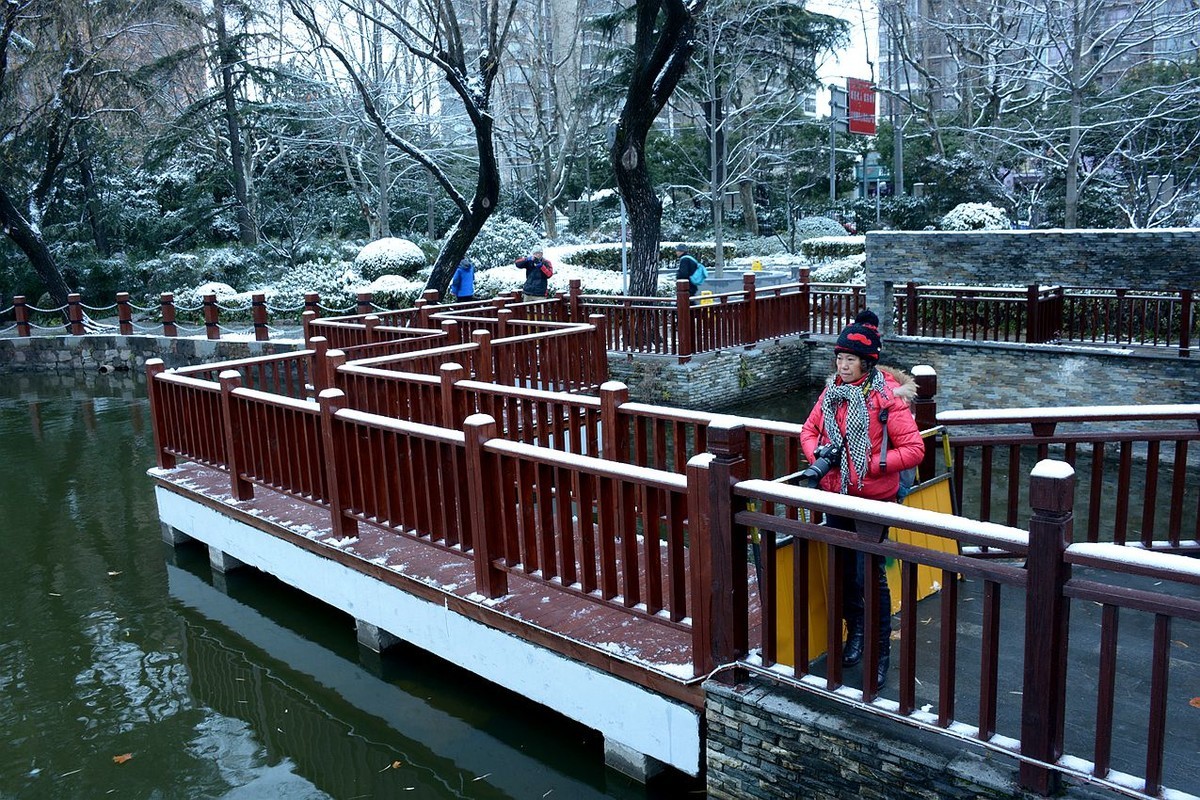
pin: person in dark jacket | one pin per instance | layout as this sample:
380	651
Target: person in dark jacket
686	268
857	405
538	270
462	285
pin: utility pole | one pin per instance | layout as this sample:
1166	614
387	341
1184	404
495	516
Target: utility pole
838	120
897	132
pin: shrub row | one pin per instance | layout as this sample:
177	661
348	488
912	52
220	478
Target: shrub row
833	246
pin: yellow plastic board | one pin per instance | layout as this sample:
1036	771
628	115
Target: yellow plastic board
933	495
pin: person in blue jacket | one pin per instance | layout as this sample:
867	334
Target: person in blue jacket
462	285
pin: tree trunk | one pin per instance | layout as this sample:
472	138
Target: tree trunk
1071	204
749	212
228	58
87	180
29	240
644	210
483	203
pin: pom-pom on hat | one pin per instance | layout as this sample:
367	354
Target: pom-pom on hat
861	337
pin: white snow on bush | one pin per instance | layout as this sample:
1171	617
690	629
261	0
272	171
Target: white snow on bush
976	217
390	250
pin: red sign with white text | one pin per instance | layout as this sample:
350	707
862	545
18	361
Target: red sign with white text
861	106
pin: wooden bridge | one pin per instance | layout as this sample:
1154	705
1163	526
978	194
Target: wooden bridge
466	480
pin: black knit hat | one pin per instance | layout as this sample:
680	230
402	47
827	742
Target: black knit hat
861	337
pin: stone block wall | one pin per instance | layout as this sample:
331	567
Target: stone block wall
715	380
769	741
996	375
103	351
1162	258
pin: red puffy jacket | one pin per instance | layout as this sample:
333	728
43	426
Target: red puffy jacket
906	448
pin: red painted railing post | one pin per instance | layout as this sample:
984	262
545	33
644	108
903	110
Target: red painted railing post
75	313
258	305
370	323
451	412
332	401
574	291
925	410
717	549
239	487
483	355
1185	323
450	329
1047	613
597	365
166	302
306	320
422	307
212	327
312	302
158	412
333	360
613	424
363	304
431	297
1032	317
750	333
21	312
910	311
485	498
683	326
124	314
320	378
806	325
503	316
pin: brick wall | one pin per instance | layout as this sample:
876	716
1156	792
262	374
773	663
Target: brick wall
714	380
1162	258
768	741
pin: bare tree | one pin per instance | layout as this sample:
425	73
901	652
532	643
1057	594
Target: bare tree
663	42
431	31
747	87
64	65
1045	80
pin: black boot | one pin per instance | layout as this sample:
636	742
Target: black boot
882	673
852	653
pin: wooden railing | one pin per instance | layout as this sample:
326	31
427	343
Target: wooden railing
647	509
1057	597
1049	314
1132	460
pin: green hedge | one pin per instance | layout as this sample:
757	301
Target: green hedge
833	246
609	256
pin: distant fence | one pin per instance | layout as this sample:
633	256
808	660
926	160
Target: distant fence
1049	314
681	326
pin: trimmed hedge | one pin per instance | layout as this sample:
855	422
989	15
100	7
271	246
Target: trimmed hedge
833	246
609	256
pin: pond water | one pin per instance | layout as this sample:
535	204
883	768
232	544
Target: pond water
129	668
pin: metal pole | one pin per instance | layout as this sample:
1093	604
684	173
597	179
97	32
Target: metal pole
624	258
832	160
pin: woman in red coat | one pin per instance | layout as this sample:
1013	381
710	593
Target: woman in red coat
859	403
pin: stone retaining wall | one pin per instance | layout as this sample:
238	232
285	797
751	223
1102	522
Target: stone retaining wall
103	352
1162	258
768	741
715	380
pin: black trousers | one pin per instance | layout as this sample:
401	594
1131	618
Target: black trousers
854	588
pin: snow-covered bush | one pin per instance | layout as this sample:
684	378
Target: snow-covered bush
393	291
173	272
337	282
389	256
762	246
1195	223
825	247
976	217
503	240
194	296
851	269
812	227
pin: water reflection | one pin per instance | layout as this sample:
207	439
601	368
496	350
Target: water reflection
114	645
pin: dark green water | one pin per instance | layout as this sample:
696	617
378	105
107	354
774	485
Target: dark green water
112	644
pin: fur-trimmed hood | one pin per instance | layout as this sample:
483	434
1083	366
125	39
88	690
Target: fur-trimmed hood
900	382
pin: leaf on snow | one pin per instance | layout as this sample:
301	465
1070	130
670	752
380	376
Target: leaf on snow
121	759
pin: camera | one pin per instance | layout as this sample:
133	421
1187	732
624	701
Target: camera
826	457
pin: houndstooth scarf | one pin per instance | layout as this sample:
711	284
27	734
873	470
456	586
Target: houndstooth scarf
857	441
